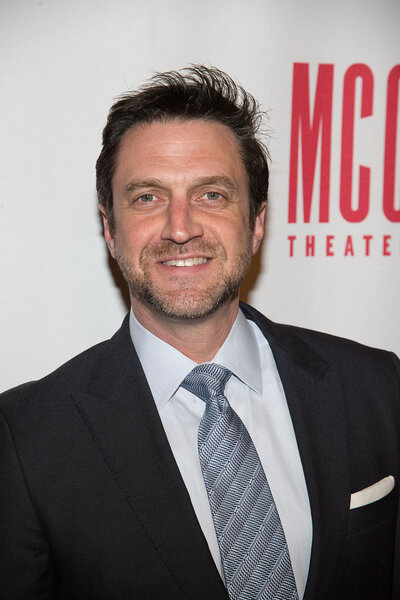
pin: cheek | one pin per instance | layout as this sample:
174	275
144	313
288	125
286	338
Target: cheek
228	225
127	246
132	235
232	235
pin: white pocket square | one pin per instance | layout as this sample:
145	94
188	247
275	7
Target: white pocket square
374	492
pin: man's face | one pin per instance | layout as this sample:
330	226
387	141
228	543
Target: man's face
181	214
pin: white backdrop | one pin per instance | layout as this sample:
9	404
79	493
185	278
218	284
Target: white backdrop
62	63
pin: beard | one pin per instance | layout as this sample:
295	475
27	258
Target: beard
185	301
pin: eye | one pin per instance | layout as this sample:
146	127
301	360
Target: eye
146	198
213	198
146	201
213	195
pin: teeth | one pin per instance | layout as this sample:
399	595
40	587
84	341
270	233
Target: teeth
185	262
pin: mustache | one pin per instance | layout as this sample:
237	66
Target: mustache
166	248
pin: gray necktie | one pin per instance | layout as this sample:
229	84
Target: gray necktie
251	540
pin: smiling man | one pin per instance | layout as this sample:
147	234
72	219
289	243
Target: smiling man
180	230
203	452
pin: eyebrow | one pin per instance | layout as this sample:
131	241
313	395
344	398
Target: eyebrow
216	180
139	184
221	180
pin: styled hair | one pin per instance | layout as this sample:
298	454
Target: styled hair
196	92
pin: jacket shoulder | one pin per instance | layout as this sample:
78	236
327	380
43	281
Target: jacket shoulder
71	375
77	374
346	354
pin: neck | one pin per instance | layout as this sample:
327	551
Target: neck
199	339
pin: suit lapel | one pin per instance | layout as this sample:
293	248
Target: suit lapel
123	420
316	406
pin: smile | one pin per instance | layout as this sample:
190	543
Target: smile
186	262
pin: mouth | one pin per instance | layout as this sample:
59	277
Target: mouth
186	262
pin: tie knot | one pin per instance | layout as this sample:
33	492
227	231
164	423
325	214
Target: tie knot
207	381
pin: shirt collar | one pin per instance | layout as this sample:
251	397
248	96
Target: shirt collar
165	367
240	354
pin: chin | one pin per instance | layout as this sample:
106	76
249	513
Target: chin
186	305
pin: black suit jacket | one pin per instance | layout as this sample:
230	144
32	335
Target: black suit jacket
93	507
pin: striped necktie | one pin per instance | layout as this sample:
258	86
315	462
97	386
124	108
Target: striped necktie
254	553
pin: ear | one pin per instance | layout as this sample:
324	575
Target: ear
258	231
108	235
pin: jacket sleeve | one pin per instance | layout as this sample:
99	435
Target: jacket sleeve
26	570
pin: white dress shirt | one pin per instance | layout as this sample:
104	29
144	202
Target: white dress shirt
255	392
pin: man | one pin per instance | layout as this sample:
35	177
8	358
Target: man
203	452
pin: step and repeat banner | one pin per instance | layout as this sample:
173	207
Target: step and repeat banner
328	77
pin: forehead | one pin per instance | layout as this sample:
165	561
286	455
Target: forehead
179	144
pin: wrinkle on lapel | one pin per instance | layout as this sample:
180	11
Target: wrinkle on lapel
123	420
316	403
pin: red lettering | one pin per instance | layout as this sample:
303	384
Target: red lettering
367	239
310	133
349	246
389	173
329	245
310	245
291	239
346	172
386	245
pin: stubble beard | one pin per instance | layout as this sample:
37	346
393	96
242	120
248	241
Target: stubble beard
185	302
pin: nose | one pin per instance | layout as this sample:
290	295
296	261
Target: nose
182	222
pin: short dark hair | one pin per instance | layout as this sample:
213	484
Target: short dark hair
196	92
